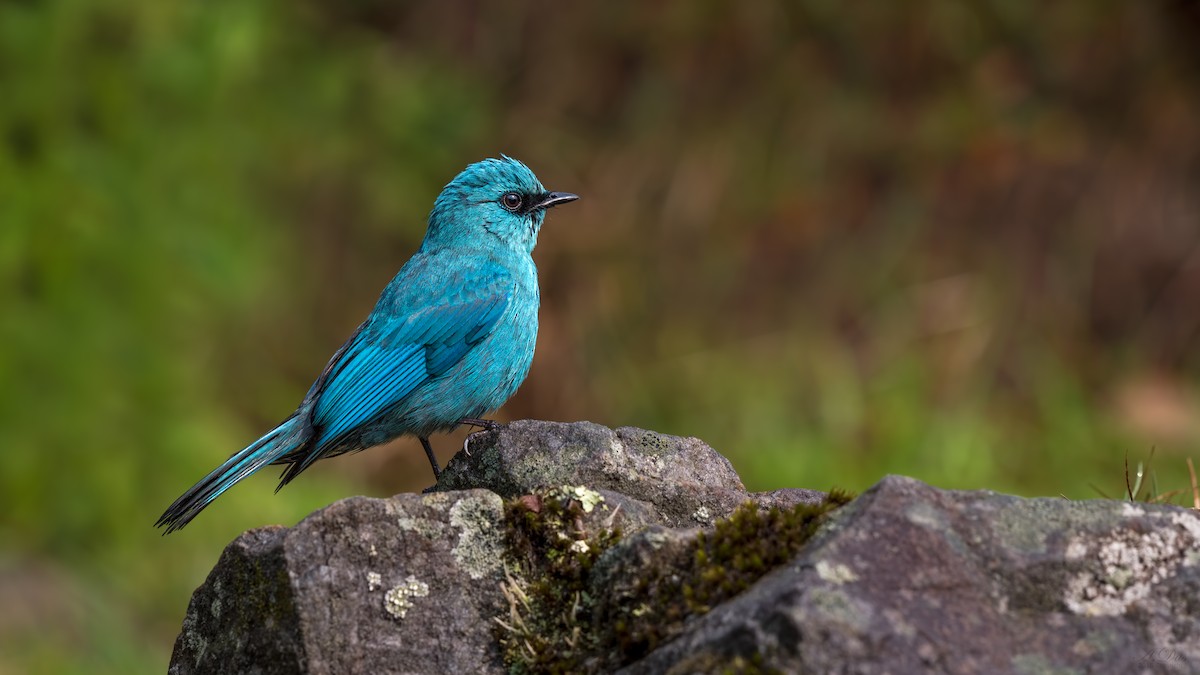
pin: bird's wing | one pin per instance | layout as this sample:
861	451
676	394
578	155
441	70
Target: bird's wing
390	356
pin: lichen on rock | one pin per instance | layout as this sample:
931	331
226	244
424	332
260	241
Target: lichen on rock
399	599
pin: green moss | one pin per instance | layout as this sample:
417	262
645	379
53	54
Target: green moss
719	564
554	625
552	551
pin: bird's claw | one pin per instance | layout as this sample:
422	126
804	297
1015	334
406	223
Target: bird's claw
486	426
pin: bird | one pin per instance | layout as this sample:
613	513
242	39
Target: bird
450	339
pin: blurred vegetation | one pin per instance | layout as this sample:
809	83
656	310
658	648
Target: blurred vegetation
958	241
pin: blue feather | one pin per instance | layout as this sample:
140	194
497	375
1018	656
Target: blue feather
373	378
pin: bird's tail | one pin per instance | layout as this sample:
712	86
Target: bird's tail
285	438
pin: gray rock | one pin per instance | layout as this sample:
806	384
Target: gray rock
407	584
687	482
911	579
244	617
906	578
786	498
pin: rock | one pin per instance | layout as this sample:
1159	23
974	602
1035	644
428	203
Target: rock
910	579
629	551
244	615
786	498
687	482
407	584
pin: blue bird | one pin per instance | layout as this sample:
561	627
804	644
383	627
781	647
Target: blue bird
451	338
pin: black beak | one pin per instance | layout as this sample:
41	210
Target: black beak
551	199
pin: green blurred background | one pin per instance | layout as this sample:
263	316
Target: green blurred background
954	240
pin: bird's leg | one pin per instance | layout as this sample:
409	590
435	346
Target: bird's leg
437	472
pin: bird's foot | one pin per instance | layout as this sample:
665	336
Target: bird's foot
486	426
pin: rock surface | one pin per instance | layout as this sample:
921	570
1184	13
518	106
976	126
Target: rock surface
685	481
911	579
905	578
407	584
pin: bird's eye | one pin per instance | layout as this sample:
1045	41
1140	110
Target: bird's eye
511	201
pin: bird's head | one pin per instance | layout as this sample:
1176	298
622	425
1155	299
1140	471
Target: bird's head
496	202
